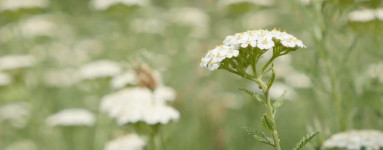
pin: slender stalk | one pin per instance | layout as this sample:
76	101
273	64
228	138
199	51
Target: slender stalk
270	113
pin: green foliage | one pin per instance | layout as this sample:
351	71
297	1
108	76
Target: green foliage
253	94
279	102
259	136
305	140
267	122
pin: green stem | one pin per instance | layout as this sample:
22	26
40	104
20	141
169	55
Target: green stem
270	113
267	64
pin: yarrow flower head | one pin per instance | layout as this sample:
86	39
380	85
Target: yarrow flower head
17	114
132	105
241	50
71	117
127	142
355	140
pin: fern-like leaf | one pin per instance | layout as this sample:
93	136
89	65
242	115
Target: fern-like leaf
259	136
253	94
305	140
267	123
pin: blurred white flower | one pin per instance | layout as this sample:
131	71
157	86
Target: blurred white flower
305	2
298	80
60	52
127	142
106	4
22	145
5	79
355	140
71	117
194	17
375	71
15	113
99	69
60	77
14	5
38	26
150	25
162	114
11	62
122	80
362	15
132	105
379	13
278	89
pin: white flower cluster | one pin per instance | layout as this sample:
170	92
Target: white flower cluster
106	4
355	140
11	62
5	79
365	15
99	69
71	117
261	39
148	25
36	26
127	142
22	145
122	80
17	114
14	5
136	104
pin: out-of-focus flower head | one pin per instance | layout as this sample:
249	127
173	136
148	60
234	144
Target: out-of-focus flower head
127	142
366	15
99	69
14	62
71	117
132	105
15	5
15	113
122	80
148	25
355	140
60	77
22	145
106	4
361	15
5	79
37	26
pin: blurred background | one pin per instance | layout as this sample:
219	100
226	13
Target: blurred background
57	55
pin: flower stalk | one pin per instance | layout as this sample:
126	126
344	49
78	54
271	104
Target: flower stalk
244	50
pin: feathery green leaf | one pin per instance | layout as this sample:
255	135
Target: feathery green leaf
259	136
305	140
253	94
267	123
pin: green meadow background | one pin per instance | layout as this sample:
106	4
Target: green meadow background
213	110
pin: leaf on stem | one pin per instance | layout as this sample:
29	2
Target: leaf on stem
305	140
279	102
271	81
267	123
259	136
253	94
